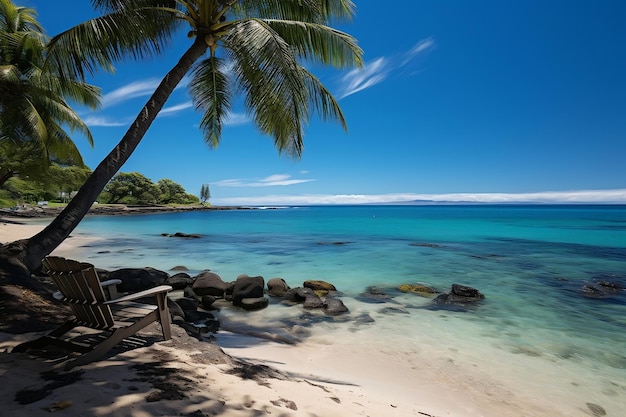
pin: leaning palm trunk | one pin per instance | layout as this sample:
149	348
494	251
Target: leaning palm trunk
30	252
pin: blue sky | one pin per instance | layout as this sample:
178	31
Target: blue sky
496	101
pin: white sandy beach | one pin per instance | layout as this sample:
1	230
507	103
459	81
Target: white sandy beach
323	376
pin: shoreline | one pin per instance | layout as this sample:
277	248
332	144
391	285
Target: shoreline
30	212
330	373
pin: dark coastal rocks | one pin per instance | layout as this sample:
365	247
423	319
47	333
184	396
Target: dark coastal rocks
247	287
138	279
419	289
277	287
209	283
188	303
460	295
180	281
183	235
334	307
311	301
426	245
179	268
319	286
252	304
374	295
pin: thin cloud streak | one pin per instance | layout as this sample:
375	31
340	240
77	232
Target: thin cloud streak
271	181
171	110
616	196
98	121
376	71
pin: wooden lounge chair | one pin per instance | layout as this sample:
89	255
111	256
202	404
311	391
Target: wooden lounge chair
118	318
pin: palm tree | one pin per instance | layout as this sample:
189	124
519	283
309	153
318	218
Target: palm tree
257	48
34	111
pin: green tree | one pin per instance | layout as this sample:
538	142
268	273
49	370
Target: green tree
132	187
34	108
171	192
205	193
62	182
258	48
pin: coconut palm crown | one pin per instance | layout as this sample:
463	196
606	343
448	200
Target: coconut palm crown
34	98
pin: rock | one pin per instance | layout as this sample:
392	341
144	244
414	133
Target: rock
334	307
247	287
179	268
426	245
175	309
299	294
610	285
318	285
209	283
374	295
464	291
596	409
190	293
460	295
138	279
277	287
313	301
188	304
254	303
180	281
419	289
183	235
207	301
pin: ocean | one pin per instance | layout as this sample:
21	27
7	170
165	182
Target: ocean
550	334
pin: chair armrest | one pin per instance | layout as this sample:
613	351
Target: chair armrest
110	288
152	291
110	282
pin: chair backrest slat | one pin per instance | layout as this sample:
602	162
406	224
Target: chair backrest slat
79	284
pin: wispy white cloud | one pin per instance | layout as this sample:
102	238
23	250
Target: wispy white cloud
615	196
236	119
130	91
376	71
171	110
271	181
371	74
101	121
423	46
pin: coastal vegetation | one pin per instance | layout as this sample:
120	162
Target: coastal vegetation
60	183
254	48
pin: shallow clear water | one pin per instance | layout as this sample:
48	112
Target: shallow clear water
531	262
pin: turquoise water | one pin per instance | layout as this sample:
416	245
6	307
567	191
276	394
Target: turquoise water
531	262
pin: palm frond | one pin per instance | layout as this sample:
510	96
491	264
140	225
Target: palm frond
210	91
319	43
102	41
312	11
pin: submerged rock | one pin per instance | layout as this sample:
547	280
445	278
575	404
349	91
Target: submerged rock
460	295
419	289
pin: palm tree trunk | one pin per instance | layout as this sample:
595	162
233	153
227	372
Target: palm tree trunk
5	177
60	228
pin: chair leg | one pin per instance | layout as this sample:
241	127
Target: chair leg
164	316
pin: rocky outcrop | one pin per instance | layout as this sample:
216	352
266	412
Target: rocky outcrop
277	287
460	295
247	287
138	279
209	283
